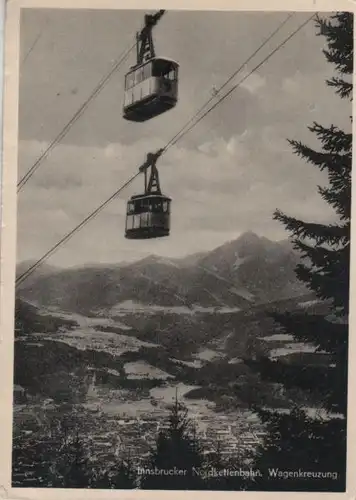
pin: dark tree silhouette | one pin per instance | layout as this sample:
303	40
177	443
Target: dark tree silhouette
177	449
298	440
122	476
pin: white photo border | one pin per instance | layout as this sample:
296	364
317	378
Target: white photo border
8	249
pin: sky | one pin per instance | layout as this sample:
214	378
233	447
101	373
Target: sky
225	177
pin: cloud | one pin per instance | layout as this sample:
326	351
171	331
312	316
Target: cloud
293	85
62	62
219	189
253	83
227	175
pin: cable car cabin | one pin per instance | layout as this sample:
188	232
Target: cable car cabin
151	89
148	216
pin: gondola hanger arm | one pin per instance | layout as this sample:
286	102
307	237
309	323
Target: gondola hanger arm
151	20
145	46
151	160
144	41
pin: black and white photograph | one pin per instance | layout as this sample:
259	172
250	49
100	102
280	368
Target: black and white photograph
183	250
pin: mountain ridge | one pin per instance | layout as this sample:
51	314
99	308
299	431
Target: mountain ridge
250	269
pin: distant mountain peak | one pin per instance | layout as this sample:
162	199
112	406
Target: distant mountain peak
249	236
154	259
250	268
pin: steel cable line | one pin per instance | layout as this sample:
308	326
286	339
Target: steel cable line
177	137
69	235
279	27
151	21
27	273
76	116
34	43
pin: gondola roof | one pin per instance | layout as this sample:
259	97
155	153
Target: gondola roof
150	195
156	58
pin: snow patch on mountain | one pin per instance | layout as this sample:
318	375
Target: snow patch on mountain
207	355
192	364
92	339
295	348
238	262
241	292
282	337
143	370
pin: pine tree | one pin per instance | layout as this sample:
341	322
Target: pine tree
60	454
70	467
177	448
296	440
215	463
78	472
122	477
